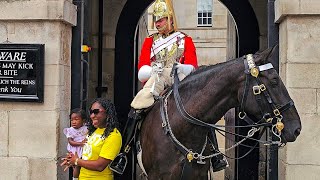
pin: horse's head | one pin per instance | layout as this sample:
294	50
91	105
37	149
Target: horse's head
264	96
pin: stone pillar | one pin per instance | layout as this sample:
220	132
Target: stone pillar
31	138
299	33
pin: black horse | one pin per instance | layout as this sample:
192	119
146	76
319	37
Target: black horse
249	82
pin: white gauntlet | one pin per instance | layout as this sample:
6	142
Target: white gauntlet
185	69
144	73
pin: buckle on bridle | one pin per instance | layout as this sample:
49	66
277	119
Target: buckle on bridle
267	117
127	149
262	87
256	90
276	112
242	115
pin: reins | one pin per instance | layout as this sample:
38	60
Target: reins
273	120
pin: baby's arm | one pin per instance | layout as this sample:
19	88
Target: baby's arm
74	143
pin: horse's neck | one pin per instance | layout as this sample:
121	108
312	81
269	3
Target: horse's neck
214	93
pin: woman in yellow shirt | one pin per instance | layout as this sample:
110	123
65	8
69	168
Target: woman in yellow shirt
103	142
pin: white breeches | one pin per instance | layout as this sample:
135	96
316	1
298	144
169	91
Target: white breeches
153	87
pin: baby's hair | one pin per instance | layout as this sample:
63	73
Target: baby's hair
111	121
79	111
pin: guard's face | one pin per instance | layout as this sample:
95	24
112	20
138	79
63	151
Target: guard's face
162	25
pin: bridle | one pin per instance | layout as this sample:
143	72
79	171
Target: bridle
273	119
260	92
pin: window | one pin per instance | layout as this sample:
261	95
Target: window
204	8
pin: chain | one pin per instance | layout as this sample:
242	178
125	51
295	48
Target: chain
251	132
168	124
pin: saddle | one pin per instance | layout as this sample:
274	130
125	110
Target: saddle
139	115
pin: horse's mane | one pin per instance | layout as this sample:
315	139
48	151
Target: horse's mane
203	69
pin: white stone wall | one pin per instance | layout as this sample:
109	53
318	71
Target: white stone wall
31	137
210	42
299	57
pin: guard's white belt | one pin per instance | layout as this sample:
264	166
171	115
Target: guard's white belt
163	43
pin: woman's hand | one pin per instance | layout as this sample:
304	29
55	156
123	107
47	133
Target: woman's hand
72	158
66	161
69	160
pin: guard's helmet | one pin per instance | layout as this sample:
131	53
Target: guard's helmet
161	10
164	8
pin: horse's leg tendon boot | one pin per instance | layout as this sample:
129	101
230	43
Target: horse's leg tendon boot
119	164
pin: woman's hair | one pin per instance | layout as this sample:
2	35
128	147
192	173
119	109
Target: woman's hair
80	112
111	115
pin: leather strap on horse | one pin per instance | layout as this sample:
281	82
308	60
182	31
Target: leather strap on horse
192	119
166	127
260	87
187	166
186	170
179	105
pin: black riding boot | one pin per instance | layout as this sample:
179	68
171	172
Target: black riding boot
119	164
218	162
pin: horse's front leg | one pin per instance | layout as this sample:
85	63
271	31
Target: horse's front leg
175	172
171	172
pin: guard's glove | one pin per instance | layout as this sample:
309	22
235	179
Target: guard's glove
185	69
144	73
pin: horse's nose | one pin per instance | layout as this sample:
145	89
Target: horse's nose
297	132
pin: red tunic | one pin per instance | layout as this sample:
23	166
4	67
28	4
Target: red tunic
189	54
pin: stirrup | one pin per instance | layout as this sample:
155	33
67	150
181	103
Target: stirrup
117	165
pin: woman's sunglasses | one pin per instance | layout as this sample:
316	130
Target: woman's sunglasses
95	111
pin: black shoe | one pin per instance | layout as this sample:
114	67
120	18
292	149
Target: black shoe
119	164
219	164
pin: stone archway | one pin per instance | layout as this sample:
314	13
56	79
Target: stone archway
249	42
124	65
124	54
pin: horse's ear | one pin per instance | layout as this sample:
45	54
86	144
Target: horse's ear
267	54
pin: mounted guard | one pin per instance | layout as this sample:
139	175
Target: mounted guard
160	51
